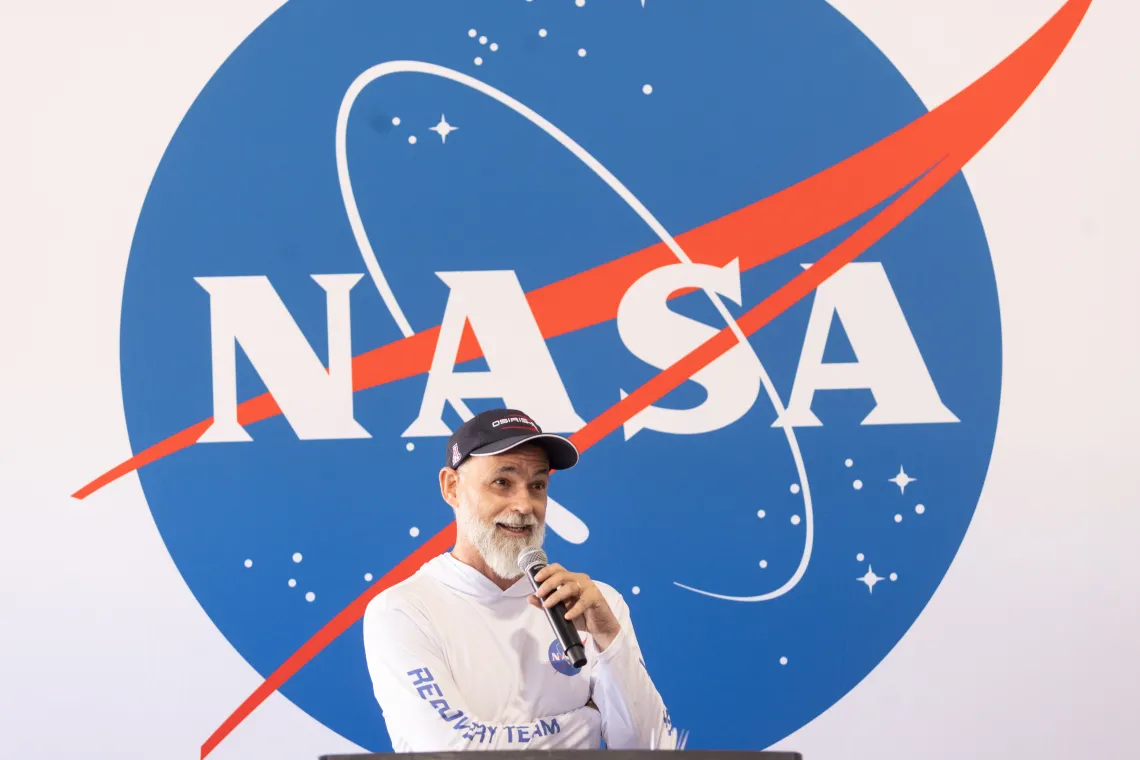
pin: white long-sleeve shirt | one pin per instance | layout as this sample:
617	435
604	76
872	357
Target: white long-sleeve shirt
457	664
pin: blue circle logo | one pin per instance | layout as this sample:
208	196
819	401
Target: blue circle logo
560	661
380	218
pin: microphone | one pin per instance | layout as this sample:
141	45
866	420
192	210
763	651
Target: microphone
530	562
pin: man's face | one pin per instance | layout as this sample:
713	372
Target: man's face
500	505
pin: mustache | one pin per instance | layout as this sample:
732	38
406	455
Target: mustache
517	521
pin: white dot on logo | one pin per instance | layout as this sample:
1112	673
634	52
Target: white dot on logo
898	518
395	121
478	61
647	89
636	590
763	564
411	139
471	32
494	46
859	557
414	531
761	514
795	519
794	488
248	563
541	32
783	660
483	40
310	596
368	577
581	52
579	3
894	576
848	463
292	582
919	509
411	446
297	557
857	484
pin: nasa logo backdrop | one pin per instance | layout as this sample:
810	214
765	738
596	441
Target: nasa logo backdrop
360	173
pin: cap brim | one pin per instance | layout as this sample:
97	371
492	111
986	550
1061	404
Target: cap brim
562	453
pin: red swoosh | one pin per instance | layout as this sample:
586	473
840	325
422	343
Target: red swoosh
928	152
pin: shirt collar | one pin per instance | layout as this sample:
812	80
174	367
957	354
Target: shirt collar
474	582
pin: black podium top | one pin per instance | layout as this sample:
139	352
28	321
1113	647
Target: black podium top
575	754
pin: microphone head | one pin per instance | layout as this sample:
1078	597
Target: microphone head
528	558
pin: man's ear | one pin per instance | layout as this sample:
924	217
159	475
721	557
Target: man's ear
449	486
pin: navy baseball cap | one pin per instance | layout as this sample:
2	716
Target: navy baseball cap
499	430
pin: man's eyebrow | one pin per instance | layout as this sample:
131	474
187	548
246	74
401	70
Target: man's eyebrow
514	468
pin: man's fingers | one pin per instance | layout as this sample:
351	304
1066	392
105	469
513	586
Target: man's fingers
548	571
562	579
568	591
576	609
551	583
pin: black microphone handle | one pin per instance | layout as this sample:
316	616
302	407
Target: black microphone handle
564	629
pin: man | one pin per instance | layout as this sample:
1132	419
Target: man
461	655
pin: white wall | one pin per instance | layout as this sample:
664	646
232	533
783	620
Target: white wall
1027	650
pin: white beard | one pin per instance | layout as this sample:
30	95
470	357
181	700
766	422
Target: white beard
499	550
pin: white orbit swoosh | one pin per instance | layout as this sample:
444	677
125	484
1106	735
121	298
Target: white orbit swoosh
559	518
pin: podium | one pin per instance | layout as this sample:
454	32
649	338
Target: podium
574	754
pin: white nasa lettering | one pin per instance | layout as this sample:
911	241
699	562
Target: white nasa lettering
319	404
520	370
248	311
888	360
659	337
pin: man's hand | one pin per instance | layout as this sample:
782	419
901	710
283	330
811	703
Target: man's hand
585	604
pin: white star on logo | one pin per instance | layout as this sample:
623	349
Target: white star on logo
902	480
870	579
443	128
